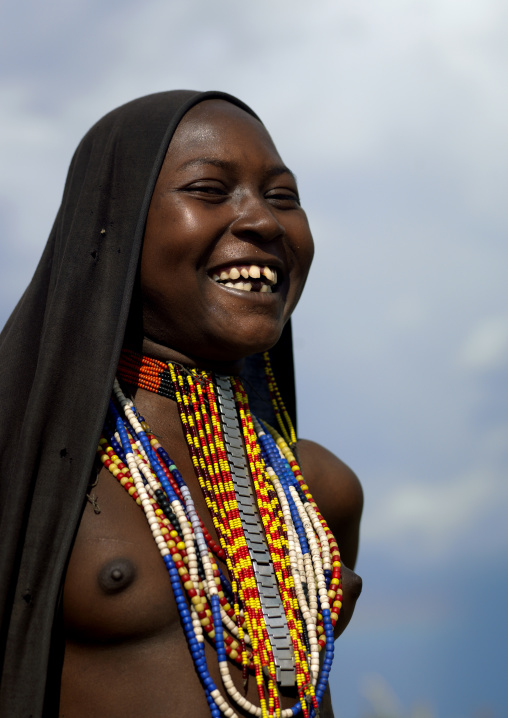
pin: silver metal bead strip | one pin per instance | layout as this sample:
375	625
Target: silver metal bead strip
271	603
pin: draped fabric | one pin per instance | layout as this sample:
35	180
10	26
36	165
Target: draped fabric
58	355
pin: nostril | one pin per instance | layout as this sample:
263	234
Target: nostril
258	224
258	234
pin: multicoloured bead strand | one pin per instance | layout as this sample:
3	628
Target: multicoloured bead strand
303	550
281	413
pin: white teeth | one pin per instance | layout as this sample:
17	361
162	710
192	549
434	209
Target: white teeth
229	277
267	272
244	286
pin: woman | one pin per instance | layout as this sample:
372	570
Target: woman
194	178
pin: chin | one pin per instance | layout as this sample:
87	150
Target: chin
226	342
242	343
235	349
235	352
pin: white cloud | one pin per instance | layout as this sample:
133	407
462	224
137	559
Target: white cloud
380	695
431	521
486	346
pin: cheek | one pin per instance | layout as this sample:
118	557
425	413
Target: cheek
187	221
309	252
171	222
167	255
308	244
303	250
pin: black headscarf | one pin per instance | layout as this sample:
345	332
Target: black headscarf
58	355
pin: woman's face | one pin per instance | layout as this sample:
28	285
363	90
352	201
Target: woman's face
227	246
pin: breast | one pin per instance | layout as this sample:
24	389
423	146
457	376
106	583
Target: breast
116	586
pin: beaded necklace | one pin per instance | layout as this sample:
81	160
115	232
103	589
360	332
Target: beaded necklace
278	608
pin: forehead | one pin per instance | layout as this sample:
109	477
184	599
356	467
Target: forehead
218	129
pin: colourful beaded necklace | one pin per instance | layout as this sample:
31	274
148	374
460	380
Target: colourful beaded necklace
278	608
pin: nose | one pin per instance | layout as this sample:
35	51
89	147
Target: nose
256	220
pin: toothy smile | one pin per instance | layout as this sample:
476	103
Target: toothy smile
249	278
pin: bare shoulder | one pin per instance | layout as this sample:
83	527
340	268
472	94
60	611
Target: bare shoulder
337	492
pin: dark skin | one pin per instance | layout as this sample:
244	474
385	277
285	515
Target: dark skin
223	199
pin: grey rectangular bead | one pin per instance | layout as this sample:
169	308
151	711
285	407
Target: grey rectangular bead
285	657
238	473
237	466
234	441
285	677
258	540
269	583
250	522
266	583
237	458
271	602
250	527
244	498
229	419
277	624
259	555
244	492
261	559
257	550
278	632
229	415
266	571
250	518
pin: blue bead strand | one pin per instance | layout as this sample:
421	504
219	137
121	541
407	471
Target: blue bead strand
196	648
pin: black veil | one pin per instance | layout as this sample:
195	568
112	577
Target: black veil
58	356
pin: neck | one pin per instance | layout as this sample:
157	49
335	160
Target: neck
163	353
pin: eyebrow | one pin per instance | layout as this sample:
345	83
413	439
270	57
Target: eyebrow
273	171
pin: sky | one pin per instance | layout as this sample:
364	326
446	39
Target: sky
393	116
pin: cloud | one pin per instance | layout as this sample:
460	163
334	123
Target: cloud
392	116
432	521
486	346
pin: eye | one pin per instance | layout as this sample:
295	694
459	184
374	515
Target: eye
206	189
283	197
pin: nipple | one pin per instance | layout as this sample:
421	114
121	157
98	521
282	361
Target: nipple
116	575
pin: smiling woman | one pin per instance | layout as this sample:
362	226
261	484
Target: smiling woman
208	582
224	203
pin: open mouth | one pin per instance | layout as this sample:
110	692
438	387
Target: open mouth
248	278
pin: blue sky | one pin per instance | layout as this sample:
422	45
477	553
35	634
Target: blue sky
394	116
